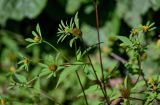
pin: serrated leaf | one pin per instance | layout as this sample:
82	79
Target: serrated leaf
66	72
125	40
90	90
19	78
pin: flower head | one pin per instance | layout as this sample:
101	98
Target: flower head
145	28
66	29
135	31
24	63
37	37
148	27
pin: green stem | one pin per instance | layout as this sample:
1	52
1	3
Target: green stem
79	77
55	49
141	72
82	88
68	64
94	71
101	86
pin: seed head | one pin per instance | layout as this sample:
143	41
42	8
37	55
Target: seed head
52	67
76	32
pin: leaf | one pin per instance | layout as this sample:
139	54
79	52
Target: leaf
44	72
43	65
34	33
76	20
38	29
19	78
127	82
90	48
66	72
72	41
90	90
62	24
32	44
125	40
79	54
72	6
138	86
50	75
20	9
37	86
29	40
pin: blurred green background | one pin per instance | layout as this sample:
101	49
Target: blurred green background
19	17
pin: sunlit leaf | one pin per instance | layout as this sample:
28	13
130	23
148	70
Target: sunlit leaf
66	72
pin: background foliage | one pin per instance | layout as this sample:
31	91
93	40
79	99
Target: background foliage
19	17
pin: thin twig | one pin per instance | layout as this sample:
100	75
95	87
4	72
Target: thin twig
133	98
69	64
85	97
141	71
99	47
101	86
94	71
82	88
119	58
55	49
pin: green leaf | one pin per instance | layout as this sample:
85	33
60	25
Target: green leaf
79	54
127	82
72	6
19	78
90	90
44	72
29	40
151	29
76	20
138	86
72	41
125	40
43	65
32	44
62	24
34	33
38	29
37	86
50	75
66	72
20	9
